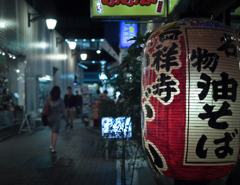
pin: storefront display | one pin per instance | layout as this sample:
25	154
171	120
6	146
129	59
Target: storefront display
191	100
12	88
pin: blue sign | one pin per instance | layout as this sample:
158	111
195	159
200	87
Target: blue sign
127	31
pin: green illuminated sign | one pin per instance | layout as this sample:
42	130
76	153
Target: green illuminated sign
128	8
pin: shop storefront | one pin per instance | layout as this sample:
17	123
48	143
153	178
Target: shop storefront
12	87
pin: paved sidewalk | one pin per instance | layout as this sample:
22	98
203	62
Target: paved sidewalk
75	162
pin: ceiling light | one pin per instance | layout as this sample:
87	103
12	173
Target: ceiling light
72	45
2	24
13	57
51	23
101	40
17	71
102	76
3	53
93	62
75	40
84	40
83	66
83	56
103	62
98	51
93	40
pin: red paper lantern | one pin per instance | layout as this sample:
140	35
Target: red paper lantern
191	100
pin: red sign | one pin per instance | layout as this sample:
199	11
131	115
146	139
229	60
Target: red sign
191	100
128	2
159	7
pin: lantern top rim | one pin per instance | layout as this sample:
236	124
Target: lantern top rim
203	22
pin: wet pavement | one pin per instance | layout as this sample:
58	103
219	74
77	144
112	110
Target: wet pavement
26	159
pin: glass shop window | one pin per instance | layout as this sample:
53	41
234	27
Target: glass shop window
12	82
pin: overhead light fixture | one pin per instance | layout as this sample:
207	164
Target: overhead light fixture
3	53
84	40
51	23
83	56
17	71
103	62
93	40
13	57
72	45
102	76
93	62
98	51
2	24
101	40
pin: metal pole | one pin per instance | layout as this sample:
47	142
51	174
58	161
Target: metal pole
106	149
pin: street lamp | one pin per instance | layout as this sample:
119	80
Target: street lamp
83	56
51	23
72	45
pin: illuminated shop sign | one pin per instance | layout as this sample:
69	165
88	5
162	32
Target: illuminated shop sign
127	31
172	4
116	127
236	12
127	8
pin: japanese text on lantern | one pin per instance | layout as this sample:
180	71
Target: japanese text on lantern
217	94
165	56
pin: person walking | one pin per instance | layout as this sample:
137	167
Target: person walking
56	110
69	101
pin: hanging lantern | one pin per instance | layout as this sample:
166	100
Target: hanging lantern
191	100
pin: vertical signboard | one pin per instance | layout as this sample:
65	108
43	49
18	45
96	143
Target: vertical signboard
128	30
86	100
